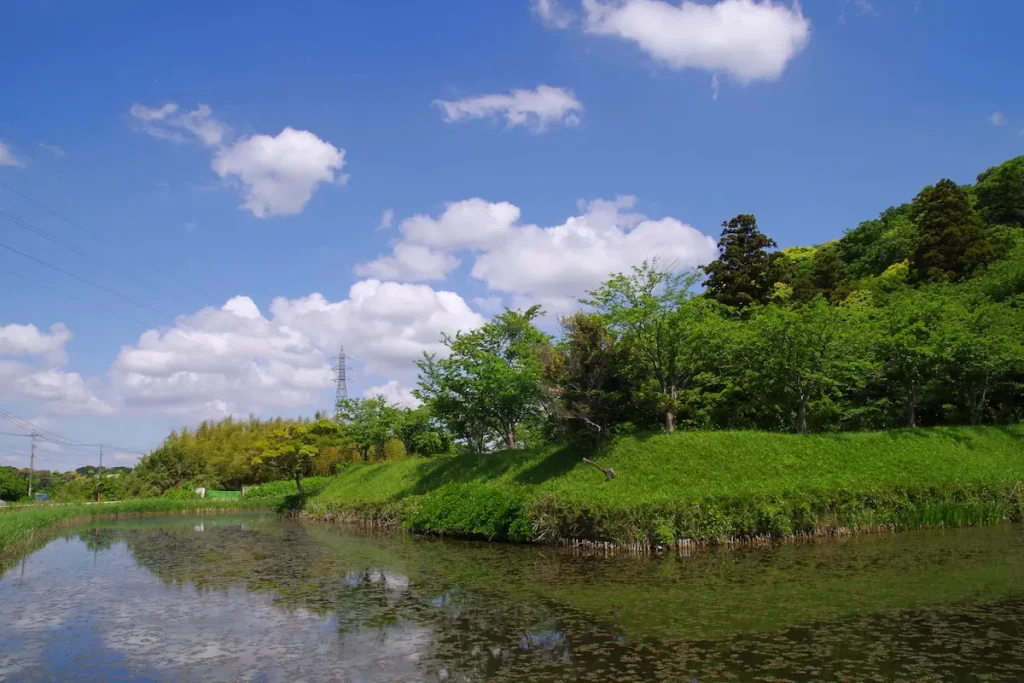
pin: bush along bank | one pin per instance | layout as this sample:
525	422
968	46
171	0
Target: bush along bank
695	488
755	518
495	513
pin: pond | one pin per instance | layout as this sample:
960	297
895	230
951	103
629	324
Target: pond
258	598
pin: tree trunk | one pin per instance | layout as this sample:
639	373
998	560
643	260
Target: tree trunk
912	405
510	438
977	410
670	412
298	482
802	414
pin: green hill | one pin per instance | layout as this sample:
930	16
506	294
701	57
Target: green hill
702	486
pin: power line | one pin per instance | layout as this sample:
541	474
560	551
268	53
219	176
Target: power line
21	222
59	439
80	279
121	449
72	296
72	223
43	433
40	458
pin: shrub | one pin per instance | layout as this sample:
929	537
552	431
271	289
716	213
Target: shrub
181	493
286	487
472	510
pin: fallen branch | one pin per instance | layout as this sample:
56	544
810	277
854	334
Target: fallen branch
609	473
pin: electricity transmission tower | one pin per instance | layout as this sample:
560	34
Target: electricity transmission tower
340	379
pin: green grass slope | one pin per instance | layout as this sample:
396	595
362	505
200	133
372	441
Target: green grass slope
698	486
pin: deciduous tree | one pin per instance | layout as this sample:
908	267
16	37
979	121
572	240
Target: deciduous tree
368	423
491	380
1000	192
652	311
290	449
421	433
803	354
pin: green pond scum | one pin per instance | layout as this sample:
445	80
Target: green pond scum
255	596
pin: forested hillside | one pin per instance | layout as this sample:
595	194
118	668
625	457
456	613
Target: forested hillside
911	319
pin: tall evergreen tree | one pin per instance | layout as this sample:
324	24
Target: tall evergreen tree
952	244
740	276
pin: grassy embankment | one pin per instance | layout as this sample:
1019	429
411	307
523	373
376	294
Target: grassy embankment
695	486
20	525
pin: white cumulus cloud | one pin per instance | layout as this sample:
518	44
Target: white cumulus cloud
7	157
537	109
395	393
61	392
387	219
236	359
554	264
222	359
276	173
563	261
28	340
410	262
384	325
422	253
998	118
279	173
748	39
168	122
552	13
40	379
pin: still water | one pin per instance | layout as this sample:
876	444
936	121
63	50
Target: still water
257	598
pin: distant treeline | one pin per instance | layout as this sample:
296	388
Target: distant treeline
79	485
913	318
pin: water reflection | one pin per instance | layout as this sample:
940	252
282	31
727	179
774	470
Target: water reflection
257	598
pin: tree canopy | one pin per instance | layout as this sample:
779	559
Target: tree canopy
739	277
489	384
913	318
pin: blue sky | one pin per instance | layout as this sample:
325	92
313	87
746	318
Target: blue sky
523	150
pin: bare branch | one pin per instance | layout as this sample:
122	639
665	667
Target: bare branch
609	473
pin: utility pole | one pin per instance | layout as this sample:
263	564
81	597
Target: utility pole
99	485
341	380
31	464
